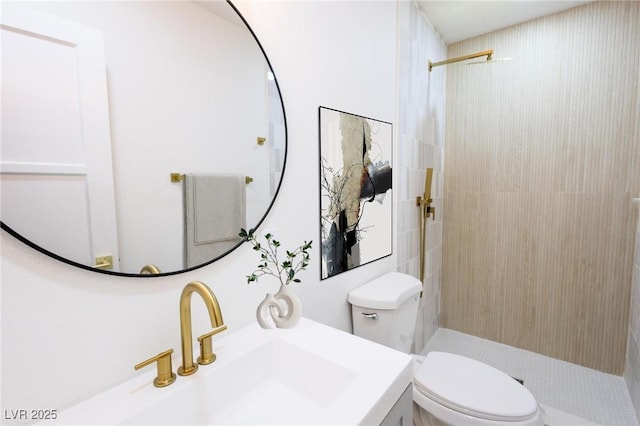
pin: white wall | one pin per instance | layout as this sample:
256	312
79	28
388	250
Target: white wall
69	333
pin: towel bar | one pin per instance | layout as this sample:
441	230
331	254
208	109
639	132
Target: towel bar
179	177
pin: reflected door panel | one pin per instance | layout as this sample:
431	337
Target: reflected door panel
57	181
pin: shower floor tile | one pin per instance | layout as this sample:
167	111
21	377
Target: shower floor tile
595	396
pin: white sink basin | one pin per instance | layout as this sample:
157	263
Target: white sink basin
311	374
264	384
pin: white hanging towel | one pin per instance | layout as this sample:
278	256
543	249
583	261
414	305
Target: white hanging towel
215	210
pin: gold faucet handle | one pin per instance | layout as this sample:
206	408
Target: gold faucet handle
206	345
166	376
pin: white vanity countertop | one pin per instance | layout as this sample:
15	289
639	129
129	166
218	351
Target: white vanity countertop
310	374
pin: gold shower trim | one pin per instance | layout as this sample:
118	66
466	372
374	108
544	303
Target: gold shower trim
487	53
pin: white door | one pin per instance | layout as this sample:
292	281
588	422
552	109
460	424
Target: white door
56	167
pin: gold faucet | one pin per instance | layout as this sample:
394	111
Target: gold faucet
207	356
149	269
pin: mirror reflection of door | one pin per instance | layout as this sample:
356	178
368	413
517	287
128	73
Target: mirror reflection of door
57	181
189	91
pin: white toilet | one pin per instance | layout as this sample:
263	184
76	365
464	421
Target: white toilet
448	389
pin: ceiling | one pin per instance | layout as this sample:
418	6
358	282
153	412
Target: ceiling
459	20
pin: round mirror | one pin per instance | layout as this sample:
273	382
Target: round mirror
138	137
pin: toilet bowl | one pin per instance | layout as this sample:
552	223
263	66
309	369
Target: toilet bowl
448	389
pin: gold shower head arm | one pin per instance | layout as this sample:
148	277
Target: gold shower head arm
487	53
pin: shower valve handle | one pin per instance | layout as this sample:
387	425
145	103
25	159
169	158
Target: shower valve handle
430	211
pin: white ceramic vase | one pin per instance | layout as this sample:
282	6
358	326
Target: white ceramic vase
280	310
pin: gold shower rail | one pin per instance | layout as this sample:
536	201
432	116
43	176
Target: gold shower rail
179	177
487	53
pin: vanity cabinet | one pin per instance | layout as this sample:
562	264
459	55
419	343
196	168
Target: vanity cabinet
402	412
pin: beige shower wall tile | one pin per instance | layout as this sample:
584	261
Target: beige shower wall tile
469	249
541	162
542	279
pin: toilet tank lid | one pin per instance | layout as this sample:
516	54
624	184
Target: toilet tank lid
388	291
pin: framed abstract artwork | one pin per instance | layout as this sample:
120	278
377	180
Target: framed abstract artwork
356	199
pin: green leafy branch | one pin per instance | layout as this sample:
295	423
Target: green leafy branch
296	260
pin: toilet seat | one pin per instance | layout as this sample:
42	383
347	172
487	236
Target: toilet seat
473	388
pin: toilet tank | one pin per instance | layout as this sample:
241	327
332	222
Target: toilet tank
384	310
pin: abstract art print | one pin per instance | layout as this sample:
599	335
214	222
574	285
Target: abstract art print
355	190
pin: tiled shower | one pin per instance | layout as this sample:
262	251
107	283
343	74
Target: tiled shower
534	234
541	163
